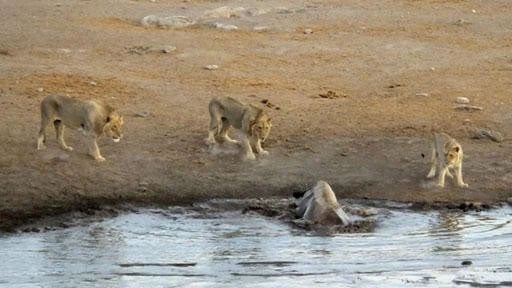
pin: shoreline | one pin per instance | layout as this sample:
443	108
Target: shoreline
395	176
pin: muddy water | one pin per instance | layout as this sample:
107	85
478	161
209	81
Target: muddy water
189	248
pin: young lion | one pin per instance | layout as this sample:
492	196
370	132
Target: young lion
253	123
93	118
446	154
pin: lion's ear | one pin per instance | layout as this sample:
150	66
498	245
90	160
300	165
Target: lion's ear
121	120
269	120
457	149
108	119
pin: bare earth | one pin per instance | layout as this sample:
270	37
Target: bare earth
376	56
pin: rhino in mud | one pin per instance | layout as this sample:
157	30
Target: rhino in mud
319	206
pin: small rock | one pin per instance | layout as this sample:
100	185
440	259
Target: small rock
462	100
466	263
225	12
142	114
64	50
261	28
168	49
467	107
93	83
40	89
167	22
395	86
422	94
432	68
461	22
211	67
482	133
473	10
257	11
227	27
331	95
509	201
283	10
308	31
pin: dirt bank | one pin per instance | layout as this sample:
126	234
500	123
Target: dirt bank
396	68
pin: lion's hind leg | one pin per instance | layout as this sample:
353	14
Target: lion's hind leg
215	123
41	139
224	132
59	130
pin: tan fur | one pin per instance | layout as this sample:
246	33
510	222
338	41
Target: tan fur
92	117
254	125
446	154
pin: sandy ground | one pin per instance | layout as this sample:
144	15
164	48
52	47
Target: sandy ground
372	141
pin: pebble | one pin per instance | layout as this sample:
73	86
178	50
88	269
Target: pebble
261	28
467	107
64	50
167	22
462	100
283	10
227	27
466	263
40	89
461	22
225	12
211	67
93	83
168	49
308	31
422	94
142	114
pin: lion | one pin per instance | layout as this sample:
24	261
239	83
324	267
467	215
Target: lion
91	117
254	125
446	154
320	206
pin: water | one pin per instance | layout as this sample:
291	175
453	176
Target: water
172	248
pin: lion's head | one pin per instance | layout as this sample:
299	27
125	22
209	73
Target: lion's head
114	126
260	128
454	154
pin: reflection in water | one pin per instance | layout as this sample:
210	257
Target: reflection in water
231	249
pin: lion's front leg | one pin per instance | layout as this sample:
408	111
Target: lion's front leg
94	151
259	149
458	176
246	146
